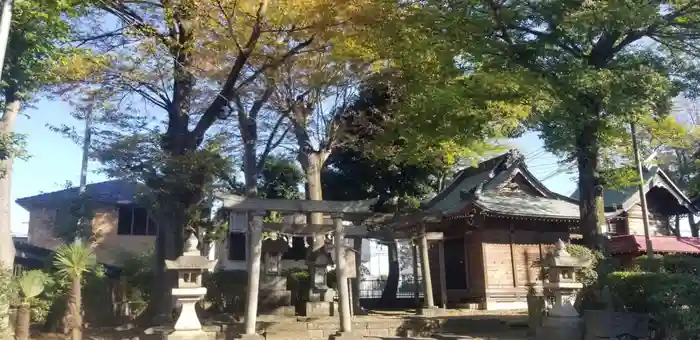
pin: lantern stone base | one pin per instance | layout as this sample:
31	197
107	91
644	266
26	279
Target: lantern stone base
321	308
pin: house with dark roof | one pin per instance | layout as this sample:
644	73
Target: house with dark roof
498	221
125	226
665	201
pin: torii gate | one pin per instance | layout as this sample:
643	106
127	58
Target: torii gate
355	211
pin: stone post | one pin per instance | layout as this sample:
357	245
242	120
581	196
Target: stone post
344	308
251	310
416	283
428	302
443	275
356	308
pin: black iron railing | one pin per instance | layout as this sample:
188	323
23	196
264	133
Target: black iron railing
373	288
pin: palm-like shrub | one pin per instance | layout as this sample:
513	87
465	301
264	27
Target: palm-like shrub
73	262
31	284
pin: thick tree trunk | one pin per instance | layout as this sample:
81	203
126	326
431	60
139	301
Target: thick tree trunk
7	247
312	162
23	322
392	281
590	187
75	310
250	169
7	125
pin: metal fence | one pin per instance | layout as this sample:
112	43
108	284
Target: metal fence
373	288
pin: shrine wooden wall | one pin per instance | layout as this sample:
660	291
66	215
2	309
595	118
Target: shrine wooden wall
510	257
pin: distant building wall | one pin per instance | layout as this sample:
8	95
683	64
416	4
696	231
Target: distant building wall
111	246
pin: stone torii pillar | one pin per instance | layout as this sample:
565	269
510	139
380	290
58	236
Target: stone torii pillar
251	309
428	302
341	276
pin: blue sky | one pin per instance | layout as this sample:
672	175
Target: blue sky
55	159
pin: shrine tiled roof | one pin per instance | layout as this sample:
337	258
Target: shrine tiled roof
526	206
636	244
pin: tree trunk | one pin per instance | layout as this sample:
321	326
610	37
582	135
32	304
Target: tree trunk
7	125
250	168
75	310
693	226
23	322
392	281
590	187
312	162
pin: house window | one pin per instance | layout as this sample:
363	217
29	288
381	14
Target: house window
237	246
135	221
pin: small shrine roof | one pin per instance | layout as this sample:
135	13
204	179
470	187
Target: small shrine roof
493	202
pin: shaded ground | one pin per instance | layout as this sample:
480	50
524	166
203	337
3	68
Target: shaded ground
456	325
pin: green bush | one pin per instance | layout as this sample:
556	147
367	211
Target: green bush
677	264
673	300
8	294
588	275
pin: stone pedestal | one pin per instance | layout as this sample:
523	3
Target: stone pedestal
274	298
188	298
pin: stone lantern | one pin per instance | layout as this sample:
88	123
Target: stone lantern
562	320
561	275
189	266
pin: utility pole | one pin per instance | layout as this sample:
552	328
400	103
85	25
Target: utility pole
87	136
642	197
5	22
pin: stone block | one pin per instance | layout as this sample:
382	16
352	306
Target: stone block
316	334
431	311
320	309
600	324
379	332
249	337
189	335
347	336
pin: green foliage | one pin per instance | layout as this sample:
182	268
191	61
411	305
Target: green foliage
279	178
73	261
8	294
38	46
31	284
588	275
226	290
136	277
673	300
672	264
